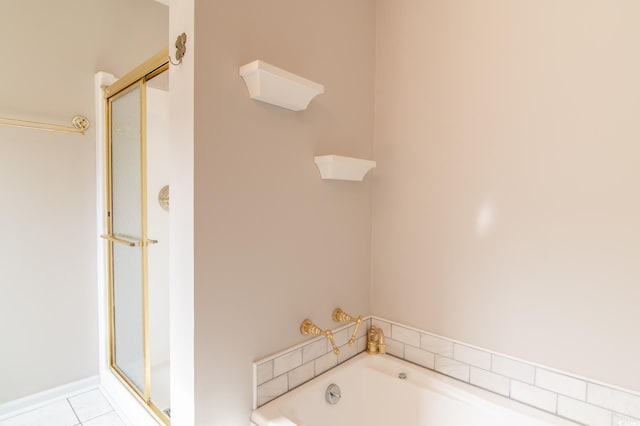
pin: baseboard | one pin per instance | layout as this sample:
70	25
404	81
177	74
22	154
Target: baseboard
37	400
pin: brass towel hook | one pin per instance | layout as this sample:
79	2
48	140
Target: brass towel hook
181	49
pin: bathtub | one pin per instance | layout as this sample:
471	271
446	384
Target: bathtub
373	394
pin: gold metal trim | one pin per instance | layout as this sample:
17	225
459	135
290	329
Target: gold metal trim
122	241
156	72
79	124
129	242
108	227
111	239
125	379
159	60
308	327
159	414
341	316
145	254
375	341
150	406
136	78
164	198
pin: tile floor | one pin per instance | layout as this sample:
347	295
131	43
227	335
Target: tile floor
86	409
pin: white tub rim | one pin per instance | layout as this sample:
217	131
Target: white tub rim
268	410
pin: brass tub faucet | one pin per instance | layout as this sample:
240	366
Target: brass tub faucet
341	316
375	341
307	327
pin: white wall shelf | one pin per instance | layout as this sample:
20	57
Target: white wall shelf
336	167
276	86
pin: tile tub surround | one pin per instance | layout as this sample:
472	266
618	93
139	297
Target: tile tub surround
563	394
277	374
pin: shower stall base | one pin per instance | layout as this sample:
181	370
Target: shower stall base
160	385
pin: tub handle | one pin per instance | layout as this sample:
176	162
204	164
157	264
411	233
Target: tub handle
308	327
341	316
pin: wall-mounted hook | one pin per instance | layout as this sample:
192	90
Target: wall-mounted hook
181	49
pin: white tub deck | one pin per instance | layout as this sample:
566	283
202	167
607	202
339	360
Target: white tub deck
373	395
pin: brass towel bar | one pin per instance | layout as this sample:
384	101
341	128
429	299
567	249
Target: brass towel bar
128	242
78	126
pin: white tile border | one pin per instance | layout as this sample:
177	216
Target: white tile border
472	356
452	368
513	369
557	392
626	403
490	381
584	413
534	396
287	364
336	330
561	384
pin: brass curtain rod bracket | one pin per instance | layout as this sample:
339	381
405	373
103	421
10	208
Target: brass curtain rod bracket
181	49
79	124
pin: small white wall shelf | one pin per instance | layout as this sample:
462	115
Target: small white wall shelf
276	86
336	167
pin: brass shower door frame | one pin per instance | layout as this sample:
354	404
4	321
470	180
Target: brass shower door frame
137	78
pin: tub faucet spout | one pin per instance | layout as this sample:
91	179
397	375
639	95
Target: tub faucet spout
375	341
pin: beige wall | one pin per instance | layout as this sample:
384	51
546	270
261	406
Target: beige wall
48	320
274	243
506	208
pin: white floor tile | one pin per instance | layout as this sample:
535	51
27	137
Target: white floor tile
110	419
89	405
55	414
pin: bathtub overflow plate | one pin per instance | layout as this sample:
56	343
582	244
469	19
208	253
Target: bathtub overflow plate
333	394
402	376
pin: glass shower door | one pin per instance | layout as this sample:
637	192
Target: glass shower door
138	281
128	235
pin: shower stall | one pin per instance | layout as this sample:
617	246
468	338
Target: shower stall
136	216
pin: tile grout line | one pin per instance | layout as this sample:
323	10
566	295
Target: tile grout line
80	423
74	411
586	395
101	415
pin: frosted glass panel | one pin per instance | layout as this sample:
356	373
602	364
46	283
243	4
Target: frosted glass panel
127	221
158	229
127	310
125	165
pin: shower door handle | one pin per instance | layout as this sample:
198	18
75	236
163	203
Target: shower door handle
128	242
